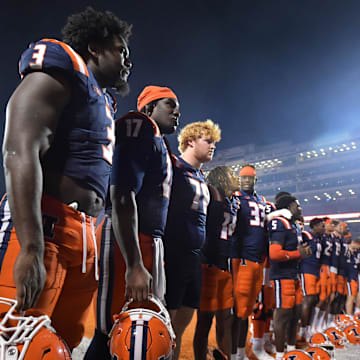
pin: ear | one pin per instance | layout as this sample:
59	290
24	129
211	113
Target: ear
191	143
93	50
255	180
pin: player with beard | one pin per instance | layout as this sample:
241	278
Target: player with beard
135	221
285	251
57	156
185	227
250	249
217	292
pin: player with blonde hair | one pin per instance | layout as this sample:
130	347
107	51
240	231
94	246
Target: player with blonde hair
185	228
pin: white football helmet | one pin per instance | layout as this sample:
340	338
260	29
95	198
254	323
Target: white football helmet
29	337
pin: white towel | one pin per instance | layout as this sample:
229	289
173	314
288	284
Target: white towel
158	271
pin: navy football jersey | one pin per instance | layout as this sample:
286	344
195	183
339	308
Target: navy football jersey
335	254
142	164
220	226
327	245
83	144
311	264
344	258
352	265
186	222
282	231
250	239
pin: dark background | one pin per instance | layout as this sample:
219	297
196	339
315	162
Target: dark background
266	71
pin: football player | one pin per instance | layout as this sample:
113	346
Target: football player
250	249
217	292
322	307
285	250
140	192
57	150
185	227
310	275
334	269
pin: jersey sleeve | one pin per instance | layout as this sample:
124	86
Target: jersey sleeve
49	55
134	147
306	237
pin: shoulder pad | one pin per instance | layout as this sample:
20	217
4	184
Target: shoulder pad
281	222
215	193
307	236
137	125
238	193
51	54
176	162
269	207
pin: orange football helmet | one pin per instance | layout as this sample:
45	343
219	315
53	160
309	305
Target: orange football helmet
297	355
336	336
319	339
318	353
342	321
142	332
352	333
29	337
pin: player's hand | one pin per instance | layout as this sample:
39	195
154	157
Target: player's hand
29	277
137	283
305	250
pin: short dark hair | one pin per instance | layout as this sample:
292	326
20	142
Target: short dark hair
284	201
315	221
280	194
93	26
149	108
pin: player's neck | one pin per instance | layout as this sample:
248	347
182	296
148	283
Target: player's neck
249	192
192	160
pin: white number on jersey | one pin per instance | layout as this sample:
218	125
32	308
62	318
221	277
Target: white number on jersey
258	214
227	227
202	197
38	56
133	127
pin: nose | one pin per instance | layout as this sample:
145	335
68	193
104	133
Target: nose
128	63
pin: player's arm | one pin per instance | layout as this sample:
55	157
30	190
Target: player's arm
125	226
31	118
134	142
277	237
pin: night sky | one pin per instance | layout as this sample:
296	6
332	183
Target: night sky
266	71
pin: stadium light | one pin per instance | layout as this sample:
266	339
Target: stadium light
354	215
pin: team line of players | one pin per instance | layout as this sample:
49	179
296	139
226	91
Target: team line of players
59	246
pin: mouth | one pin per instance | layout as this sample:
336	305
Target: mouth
125	74
175	120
